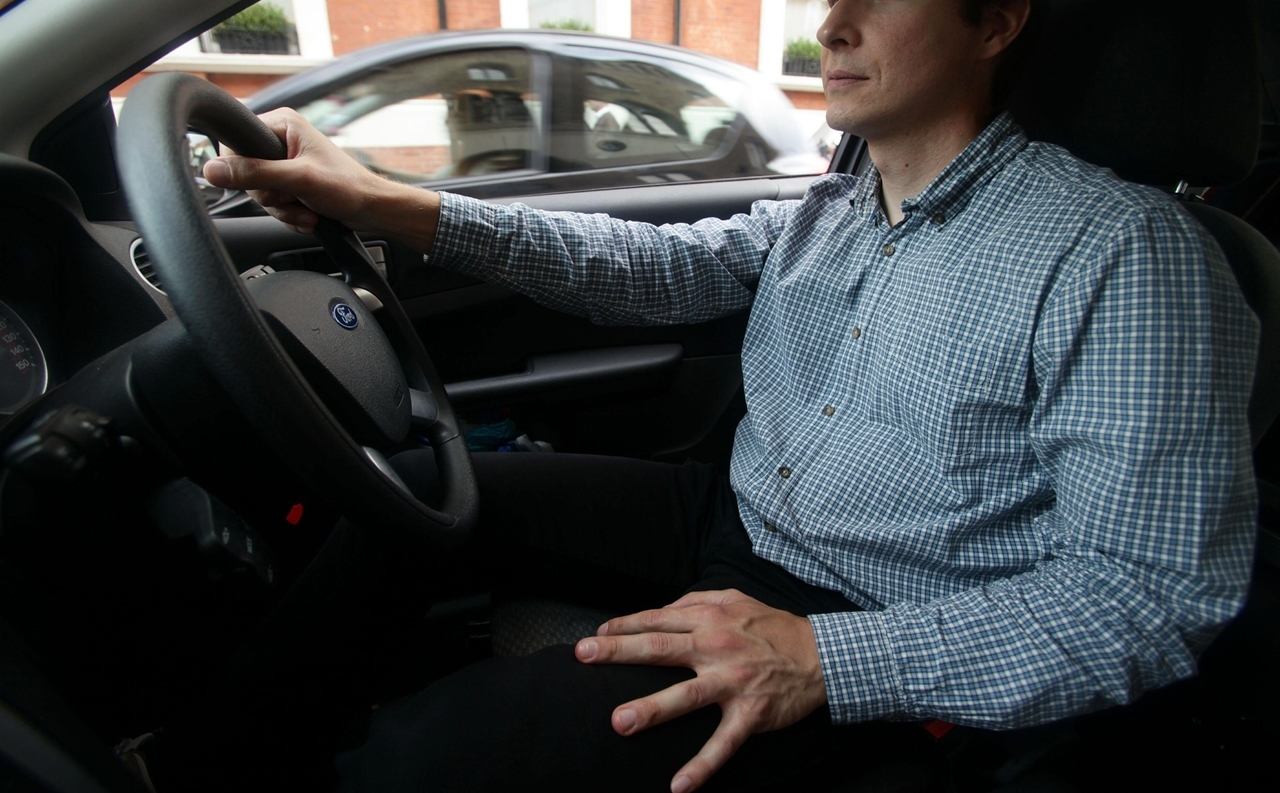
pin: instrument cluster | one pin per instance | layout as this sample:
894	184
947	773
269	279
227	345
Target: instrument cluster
24	372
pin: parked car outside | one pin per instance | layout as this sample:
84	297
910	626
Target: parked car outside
509	113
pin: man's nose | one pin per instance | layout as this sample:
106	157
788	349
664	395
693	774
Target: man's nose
839	28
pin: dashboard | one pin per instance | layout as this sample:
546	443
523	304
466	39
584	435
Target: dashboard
68	292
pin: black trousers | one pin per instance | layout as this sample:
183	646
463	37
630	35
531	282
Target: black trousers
621	534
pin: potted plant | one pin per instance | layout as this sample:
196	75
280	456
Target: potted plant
567	24
260	28
803	57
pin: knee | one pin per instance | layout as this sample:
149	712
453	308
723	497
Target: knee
516	723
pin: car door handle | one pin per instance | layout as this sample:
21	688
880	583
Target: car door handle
581	373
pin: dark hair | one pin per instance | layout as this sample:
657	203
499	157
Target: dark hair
1012	61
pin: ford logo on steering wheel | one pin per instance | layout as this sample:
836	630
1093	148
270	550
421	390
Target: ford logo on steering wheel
345	316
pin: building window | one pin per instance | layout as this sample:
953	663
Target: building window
606	17
564	14
265	28
802	53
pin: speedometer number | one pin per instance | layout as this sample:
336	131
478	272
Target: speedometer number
28	378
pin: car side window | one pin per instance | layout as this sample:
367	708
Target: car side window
453	115
639	112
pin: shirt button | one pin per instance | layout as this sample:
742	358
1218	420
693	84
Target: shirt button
938	219
784	472
856	333
888	249
770	527
828	411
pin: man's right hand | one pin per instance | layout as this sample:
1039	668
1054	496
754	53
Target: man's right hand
319	179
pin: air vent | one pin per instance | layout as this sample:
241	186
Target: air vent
142	263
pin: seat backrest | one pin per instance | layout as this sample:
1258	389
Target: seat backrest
1163	92
1160	91
1256	264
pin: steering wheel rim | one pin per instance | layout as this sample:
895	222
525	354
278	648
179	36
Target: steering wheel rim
234	340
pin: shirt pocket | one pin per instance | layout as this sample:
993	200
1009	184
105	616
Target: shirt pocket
941	386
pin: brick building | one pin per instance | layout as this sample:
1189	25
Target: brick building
751	32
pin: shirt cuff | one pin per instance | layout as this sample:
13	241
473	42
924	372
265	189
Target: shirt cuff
465	235
858	666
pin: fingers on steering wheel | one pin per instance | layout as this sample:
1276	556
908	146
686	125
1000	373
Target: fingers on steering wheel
297	217
273	198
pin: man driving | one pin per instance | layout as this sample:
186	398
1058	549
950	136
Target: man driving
995	467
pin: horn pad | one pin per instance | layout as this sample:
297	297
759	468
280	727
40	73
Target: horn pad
334	340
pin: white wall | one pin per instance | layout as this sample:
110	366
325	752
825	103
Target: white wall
312	20
773	38
612	17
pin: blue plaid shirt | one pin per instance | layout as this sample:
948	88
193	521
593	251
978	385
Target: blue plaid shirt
1012	427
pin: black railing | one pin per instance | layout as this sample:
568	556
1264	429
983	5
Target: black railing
806	67
255	42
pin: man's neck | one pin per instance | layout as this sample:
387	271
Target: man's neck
908	162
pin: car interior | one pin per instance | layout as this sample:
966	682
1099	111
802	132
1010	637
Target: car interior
175	447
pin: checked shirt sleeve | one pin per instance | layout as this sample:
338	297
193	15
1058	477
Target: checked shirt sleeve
1143	359
615	272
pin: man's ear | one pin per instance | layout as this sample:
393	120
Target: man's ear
1002	22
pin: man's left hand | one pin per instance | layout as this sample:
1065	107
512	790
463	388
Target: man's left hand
758	663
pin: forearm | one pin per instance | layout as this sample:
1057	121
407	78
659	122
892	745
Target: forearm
614	272
1068	638
405	214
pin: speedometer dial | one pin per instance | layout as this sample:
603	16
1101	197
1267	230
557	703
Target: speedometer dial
23	374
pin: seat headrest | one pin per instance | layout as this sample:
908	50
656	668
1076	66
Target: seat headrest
1157	90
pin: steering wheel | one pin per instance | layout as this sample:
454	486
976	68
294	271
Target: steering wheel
326	381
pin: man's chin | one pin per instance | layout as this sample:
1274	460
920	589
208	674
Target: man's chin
847	121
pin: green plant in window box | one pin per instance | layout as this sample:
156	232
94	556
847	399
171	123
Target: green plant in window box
567	24
260	28
802	57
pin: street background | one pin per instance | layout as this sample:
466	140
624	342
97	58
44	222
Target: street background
775	37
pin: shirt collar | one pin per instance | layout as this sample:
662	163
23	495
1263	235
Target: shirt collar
1000	142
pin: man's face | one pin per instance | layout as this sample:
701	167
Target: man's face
889	66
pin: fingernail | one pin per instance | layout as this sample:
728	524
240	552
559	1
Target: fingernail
586	650
626	720
217	171
681	784
603	630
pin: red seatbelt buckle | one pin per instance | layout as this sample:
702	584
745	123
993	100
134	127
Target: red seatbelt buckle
938	728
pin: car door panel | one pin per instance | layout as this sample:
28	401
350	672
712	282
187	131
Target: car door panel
663	391
571	375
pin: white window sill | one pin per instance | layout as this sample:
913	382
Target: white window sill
795	82
220	63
